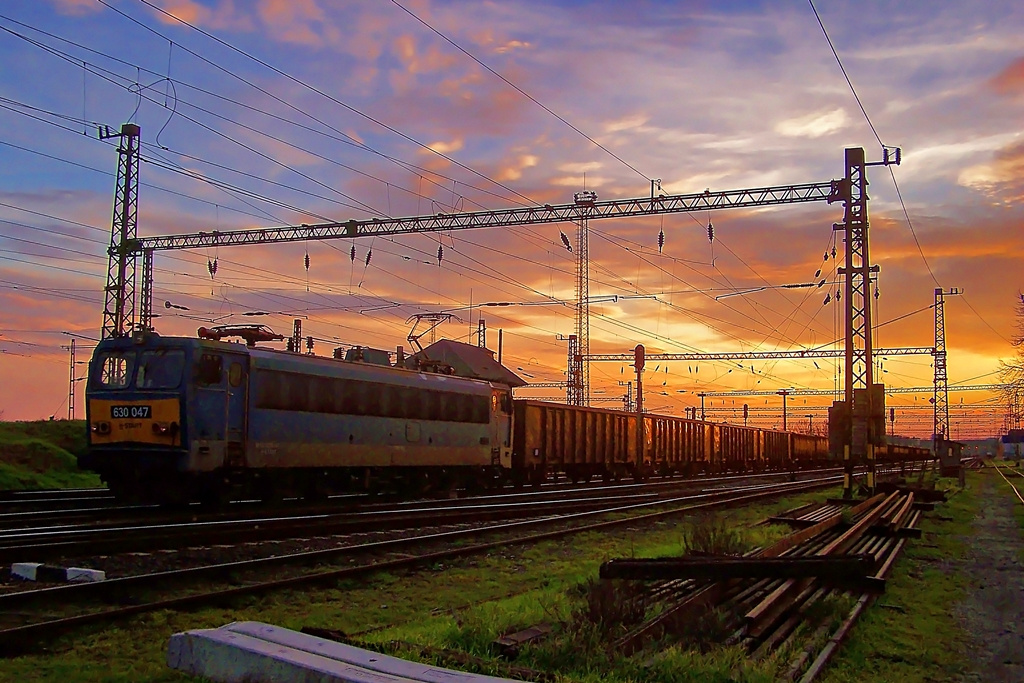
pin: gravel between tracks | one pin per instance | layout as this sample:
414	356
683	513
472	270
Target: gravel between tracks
993	612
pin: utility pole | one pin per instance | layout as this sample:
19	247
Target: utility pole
784	393
574	376
579	369
119	300
71	384
638	365
627	398
940	398
859	401
702	395
481	334
810	423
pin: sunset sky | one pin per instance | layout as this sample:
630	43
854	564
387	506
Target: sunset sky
282	112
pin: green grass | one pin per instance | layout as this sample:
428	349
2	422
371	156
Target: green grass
910	633
41	455
462	605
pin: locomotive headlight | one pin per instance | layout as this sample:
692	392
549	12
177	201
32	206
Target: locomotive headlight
165	428
100	427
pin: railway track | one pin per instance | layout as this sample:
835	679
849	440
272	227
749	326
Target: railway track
54	500
44	536
423	548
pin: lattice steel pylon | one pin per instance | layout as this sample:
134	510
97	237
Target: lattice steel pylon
119	299
574	384
859	363
579	365
940	398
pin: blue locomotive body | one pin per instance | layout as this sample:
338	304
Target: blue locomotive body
175	419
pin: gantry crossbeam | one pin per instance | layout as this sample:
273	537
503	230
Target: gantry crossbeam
761	355
531	215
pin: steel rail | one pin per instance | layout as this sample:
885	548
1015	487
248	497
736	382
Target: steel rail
1016	491
359	502
109	535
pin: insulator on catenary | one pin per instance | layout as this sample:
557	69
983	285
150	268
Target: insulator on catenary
352	254
711	232
817	272
368	255
828	298
565	240
440	254
211	266
661	241
307	262
833	252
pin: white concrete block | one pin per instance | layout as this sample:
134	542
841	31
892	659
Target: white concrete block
237	658
83	575
350	654
250	652
25	570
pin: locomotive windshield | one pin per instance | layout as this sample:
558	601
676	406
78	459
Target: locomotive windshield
113	369
160	369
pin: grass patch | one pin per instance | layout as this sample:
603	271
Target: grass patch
910	633
42	455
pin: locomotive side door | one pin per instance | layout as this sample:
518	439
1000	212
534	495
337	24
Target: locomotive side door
221	390
208	426
237	367
501	419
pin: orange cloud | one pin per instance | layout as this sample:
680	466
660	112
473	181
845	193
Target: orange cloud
223	16
77	7
1010	81
292	20
1001	178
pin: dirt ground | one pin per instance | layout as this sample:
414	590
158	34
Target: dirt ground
993	612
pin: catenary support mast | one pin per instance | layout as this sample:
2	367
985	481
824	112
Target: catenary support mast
119	299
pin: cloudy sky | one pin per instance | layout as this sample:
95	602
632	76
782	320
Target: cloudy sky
274	112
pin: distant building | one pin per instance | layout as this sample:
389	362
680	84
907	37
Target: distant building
1013	444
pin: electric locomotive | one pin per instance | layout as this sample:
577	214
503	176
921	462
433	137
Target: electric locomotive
175	419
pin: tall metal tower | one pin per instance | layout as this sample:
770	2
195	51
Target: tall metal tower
574	384
859	363
119	300
71	384
940	398
579	365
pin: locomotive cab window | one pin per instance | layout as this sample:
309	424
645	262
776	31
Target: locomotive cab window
208	369
113	370
160	369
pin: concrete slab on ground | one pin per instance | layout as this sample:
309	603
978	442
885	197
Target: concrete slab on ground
250	652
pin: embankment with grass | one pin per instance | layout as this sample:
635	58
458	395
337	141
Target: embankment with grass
42	455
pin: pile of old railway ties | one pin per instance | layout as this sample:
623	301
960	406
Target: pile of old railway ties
766	599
